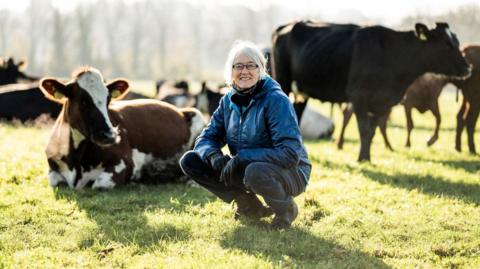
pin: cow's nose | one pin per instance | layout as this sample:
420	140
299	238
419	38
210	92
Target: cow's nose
106	137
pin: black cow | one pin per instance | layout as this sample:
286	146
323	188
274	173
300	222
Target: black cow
25	102
175	93
11	72
371	67
22	101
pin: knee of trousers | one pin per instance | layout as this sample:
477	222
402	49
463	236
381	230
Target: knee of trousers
188	161
257	174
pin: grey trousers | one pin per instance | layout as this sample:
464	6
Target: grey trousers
277	185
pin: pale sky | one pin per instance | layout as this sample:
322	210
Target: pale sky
388	11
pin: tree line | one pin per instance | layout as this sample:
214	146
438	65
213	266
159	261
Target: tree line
163	38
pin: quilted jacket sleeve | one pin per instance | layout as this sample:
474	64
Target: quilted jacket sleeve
212	138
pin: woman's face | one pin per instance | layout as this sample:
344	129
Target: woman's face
244	78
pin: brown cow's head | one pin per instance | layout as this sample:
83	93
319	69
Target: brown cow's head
441	46
86	98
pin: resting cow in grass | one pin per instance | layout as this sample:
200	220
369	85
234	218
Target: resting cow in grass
112	143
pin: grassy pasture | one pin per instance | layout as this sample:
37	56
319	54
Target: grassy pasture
412	208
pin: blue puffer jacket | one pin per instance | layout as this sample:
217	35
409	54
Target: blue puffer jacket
266	131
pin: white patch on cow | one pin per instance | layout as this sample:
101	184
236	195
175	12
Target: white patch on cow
92	83
449	33
120	167
88	176
54	178
196	127
66	173
294	87
139	160
180	101
104	181
202	102
314	125
77	137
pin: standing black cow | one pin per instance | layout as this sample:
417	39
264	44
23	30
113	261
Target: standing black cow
371	67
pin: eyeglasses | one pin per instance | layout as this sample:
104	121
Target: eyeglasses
249	66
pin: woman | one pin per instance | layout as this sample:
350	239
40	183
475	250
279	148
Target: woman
257	122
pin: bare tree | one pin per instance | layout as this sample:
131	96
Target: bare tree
58	60
85	20
4	24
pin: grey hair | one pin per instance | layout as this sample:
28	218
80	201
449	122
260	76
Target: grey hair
248	49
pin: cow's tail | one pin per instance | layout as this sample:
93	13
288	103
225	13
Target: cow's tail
195	121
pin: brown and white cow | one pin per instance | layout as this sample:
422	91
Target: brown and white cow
112	143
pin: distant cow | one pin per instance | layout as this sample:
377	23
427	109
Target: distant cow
11	72
22	101
175	93
25	102
468	114
371	67
134	95
207	100
112	143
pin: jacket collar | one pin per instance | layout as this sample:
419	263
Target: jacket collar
268	85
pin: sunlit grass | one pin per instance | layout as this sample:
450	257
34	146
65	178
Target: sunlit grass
411	208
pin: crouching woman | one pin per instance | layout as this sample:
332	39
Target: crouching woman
257	122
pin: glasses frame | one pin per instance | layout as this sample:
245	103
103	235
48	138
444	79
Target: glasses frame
248	66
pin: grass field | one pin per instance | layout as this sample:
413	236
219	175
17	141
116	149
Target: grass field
412	208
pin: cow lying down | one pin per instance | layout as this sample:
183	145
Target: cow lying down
95	141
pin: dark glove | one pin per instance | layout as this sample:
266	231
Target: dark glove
218	161
228	173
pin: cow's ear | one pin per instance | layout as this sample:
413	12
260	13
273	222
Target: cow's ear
118	88
22	65
421	31
53	89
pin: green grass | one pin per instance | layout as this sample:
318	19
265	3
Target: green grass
412	208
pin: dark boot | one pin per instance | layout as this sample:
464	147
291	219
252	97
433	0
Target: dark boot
248	205
284	219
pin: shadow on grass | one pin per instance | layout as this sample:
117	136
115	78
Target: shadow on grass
470	166
120	214
420	127
469	193
429	184
295	247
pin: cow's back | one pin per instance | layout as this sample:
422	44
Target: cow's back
25	102
318	57
151	126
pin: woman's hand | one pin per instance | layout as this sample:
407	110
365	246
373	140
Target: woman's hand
218	161
228	172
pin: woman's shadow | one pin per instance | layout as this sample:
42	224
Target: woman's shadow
295	247
120	215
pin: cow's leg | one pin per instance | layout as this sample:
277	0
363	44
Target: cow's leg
408	116
383	129
366	127
347	115
438	120
299	106
460	125
471	122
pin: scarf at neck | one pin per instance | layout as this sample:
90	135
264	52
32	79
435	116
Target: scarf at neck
244	97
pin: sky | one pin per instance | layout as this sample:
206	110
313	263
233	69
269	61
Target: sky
390	12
